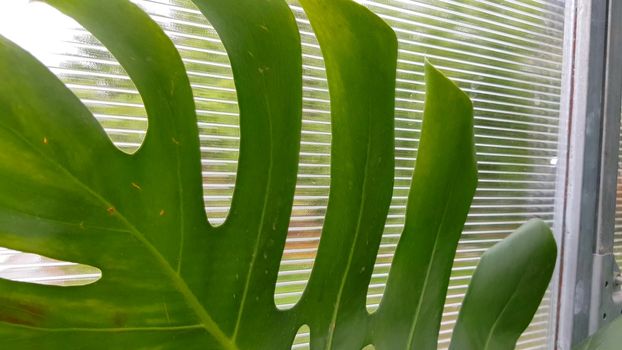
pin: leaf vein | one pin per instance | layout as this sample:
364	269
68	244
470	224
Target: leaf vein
415	320
261	225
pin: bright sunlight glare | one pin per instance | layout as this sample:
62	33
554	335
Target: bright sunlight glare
38	28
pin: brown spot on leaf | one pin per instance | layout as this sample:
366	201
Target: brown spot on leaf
136	186
45	140
35	310
120	319
162	212
14	320
111	210
21	313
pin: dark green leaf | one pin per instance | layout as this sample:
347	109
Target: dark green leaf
506	290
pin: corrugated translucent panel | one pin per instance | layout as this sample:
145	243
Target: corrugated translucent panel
505	55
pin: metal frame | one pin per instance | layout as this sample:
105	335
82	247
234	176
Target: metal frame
585	291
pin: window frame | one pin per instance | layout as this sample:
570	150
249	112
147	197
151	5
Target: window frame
585	287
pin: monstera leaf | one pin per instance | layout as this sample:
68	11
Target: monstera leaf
170	280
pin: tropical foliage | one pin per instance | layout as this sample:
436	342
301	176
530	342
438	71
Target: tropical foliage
170	280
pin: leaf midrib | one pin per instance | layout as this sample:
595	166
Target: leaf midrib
500	315
331	334
206	320
415	320
261	223
182	215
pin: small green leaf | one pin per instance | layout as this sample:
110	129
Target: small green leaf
506	290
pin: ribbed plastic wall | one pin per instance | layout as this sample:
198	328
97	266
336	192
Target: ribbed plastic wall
506	55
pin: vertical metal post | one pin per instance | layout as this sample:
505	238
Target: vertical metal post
587	186
605	305
559	330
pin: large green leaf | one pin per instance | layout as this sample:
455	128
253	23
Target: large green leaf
68	193
506	290
169	279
